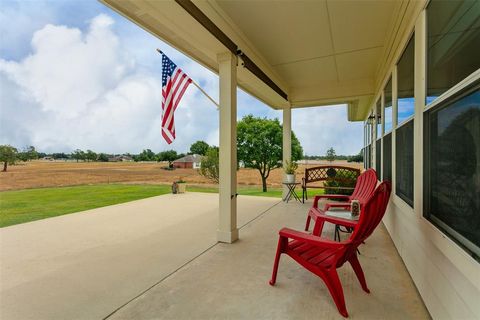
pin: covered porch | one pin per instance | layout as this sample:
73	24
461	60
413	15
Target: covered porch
296	54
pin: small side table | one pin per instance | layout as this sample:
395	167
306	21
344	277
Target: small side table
291	191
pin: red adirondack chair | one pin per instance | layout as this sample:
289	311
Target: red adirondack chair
322	256
364	188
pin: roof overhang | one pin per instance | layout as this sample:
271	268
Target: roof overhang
315	52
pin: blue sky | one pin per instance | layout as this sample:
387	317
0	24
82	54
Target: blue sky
74	74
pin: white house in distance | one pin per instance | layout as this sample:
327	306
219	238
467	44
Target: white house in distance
409	70
192	161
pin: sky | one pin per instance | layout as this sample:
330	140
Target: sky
76	75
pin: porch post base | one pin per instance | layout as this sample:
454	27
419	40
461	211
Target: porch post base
227	237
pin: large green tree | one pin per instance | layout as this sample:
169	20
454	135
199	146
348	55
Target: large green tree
8	155
199	147
169	156
259	143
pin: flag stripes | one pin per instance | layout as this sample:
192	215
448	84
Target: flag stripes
174	84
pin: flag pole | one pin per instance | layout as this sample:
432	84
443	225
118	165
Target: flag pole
196	85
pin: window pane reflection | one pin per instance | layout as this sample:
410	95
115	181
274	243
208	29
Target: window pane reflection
405	75
388	105
453	29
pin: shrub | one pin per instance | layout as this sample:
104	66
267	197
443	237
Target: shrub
340	179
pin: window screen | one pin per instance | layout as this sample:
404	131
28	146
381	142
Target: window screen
404	162
452	168
378	158
378	112
387	157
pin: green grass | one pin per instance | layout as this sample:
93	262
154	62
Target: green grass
35	204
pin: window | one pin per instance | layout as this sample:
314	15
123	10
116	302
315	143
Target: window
453	37
378	158
452	167
405	76
388	106
404	162
378	114
387	157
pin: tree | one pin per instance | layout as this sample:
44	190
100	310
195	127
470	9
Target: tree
90	155
169	155
209	167
146	155
103	157
8	155
78	155
29	153
259	143
356	158
199	147
330	154
59	155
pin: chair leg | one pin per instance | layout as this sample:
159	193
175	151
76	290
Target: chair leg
307	225
336	291
318	227
280	247
359	272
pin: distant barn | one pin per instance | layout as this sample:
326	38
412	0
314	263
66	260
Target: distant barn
189	161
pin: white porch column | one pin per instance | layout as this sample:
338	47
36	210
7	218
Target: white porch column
227	222
287	141
420	95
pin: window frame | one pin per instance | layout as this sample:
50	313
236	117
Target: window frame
444	228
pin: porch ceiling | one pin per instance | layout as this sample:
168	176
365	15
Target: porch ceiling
318	52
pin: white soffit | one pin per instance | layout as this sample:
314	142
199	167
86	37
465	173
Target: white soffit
318	52
325	51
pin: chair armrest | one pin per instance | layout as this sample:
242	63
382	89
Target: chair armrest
337	205
320	215
330	196
309	238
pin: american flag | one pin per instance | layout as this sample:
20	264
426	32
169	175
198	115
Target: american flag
174	84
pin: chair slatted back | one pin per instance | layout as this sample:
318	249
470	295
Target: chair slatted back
365	186
371	215
373	212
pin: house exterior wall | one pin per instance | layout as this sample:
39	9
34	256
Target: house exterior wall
183	165
446	276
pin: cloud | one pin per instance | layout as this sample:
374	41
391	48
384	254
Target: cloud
81	90
320	128
74	79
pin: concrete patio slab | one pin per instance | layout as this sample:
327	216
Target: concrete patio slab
86	265
231	281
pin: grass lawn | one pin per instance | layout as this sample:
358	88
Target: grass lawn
35	204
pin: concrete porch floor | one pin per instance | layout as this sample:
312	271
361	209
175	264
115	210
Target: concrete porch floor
96	264
231	281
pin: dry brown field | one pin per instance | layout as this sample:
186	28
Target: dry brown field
38	174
